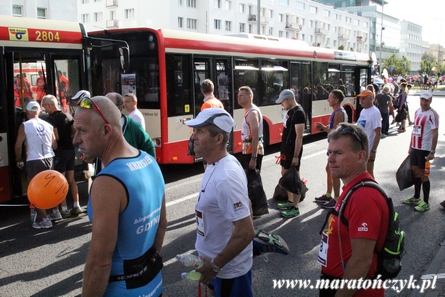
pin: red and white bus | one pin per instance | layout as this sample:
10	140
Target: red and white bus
27	47
164	68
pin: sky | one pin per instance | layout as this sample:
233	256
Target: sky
427	13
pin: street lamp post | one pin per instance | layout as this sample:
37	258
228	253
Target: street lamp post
381	35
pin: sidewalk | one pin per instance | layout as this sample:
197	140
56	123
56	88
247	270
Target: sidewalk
436	267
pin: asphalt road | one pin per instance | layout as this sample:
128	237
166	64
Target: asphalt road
50	262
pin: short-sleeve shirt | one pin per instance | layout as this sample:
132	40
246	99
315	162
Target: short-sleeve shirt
63	122
370	119
293	117
424	124
223	199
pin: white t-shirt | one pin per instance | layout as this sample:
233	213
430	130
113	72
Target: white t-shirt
138	117
223	199
370	119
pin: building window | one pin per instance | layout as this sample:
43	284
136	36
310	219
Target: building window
191	23
280	34
98	17
326	13
41	13
17	10
218	24
228	26
284	2
300	5
112	14
129	14
180	22
191	3
270	13
281	17
250	29
242	8
180	3
242	27
217	3
85	18
228	5
270	31
85	1
313	9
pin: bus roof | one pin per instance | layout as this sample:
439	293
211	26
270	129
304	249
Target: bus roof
247	45
30	32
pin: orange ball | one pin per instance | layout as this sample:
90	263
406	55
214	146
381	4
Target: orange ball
47	189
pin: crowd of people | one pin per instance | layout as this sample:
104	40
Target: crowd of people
128	230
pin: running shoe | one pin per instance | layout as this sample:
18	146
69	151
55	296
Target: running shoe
65	213
423	206
76	210
55	216
330	204
290	213
42	224
412	200
322	199
265	242
285	205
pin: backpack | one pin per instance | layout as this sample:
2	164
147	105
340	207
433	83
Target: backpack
390	256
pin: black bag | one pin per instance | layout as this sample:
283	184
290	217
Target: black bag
404	174
280	193
401	115
390	256
292	182
256	193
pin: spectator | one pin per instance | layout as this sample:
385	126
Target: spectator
40	146
224	223
401	105
408	88
251	130
349	252
65	155
64	86
23	87
130	106
382	102
370	121
41	87
423	147
291	146
338	116
121	243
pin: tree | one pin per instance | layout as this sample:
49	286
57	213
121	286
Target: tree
401	65
341	47
427	63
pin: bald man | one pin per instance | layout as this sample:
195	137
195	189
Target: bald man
127	228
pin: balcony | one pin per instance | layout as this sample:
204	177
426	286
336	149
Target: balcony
343	37
264	20
252	18
112	24
320	31
111	3
294	27
361	39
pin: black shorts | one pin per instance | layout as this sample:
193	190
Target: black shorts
64	160
287	156
36	166
418	157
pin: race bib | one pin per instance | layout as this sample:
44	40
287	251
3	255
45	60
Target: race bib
199	222
417	130
323	252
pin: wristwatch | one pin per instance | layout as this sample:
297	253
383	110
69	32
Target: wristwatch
215	267
254	157
433	151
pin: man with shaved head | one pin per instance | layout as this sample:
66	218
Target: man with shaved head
127	228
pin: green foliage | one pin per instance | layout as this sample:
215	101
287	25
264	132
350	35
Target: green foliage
401	65
341	47
427	64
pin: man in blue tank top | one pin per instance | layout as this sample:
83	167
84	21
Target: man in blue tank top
126	207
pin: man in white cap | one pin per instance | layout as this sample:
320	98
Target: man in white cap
423	148
78	97
40	146
370	120
291	146
224	223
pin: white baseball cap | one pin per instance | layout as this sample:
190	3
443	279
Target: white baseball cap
213	116
33	106
81	94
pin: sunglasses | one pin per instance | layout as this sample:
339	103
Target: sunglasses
88	104
347	130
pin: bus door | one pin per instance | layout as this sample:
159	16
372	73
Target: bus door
362	79
223	83
306	93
